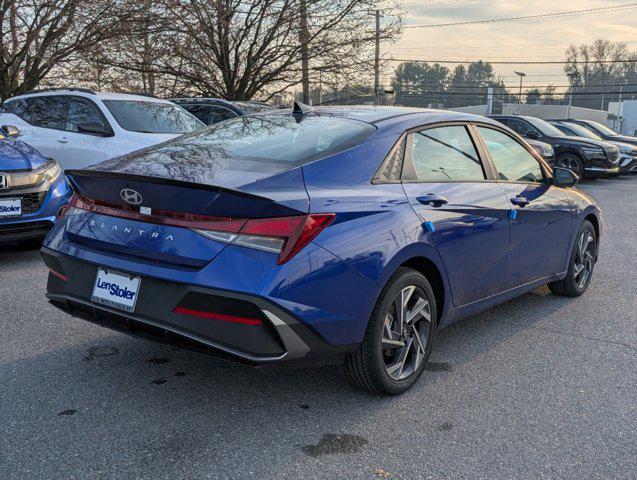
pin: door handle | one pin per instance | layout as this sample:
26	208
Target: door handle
433	199
520	201
63	140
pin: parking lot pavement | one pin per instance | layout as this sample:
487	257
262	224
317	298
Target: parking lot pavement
540	387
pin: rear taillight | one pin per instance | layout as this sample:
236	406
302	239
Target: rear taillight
283	235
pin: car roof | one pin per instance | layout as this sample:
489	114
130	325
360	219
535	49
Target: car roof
90	94
377	114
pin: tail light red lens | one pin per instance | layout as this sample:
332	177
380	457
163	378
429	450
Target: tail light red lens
286	236
283	235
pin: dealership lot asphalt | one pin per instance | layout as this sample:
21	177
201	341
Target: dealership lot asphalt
540	387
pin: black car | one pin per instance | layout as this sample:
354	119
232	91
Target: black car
627	152
214	110
602	131
586	157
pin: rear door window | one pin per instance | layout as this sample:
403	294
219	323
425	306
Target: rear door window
81	111
443	154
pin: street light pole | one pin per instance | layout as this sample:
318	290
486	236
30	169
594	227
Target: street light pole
521	75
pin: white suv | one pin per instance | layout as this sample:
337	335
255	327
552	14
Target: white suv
79	128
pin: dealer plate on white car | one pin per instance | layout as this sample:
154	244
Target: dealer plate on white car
10	207
116	290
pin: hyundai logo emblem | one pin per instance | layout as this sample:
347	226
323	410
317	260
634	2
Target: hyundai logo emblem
131	196
4	182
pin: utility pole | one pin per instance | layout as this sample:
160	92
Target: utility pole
377	62
305	57
521	75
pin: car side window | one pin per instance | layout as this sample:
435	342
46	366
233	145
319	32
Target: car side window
219	114
521	128
81	111
46	112
512	161
202	112
443	154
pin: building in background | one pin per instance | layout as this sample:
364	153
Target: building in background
623	117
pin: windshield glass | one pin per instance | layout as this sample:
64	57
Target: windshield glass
603	129
152	117
582	131
277	138
544	127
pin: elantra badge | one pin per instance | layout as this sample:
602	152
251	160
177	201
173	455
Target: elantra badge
131	196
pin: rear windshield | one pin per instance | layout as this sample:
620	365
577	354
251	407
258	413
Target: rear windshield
152	117
279	138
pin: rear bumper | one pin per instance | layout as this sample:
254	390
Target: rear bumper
280	339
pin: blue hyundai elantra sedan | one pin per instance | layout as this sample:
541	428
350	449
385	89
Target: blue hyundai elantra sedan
341	234
32	191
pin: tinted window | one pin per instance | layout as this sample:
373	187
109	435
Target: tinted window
278	138
445	153
202	112
152	117
81	111
219	114
603	129
512	160
45	111
520	127
578	131
545	127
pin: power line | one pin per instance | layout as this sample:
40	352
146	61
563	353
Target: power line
507	62
588	11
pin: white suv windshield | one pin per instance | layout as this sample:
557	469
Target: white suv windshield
152	117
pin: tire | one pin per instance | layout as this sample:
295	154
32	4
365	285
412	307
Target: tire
376	366
572	162
574	284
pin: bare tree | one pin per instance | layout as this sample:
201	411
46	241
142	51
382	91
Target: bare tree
39	35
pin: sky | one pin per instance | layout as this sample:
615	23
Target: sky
531	40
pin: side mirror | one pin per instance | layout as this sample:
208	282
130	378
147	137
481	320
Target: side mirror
10	131
563	177
532	135
93	128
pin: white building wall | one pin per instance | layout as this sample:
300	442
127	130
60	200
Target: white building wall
624	117
548	112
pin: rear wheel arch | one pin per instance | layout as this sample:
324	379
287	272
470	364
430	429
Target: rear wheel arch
432	273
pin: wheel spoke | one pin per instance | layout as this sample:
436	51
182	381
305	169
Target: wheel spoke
393	343
421	308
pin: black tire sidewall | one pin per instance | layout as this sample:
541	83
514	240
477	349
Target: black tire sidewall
586	225
372	346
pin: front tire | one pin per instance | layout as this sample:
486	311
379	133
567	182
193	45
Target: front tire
581	264
399	337
573	163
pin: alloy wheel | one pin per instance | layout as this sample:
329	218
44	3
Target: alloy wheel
584	258
406	330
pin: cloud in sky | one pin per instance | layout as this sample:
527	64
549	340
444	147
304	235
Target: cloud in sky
530	40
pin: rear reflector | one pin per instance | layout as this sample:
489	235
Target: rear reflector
59	275
223	317
283	235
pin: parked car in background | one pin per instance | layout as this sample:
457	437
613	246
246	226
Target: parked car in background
627	152
584	156
543	149
79	128
214	110
32	190
342	234
603	131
